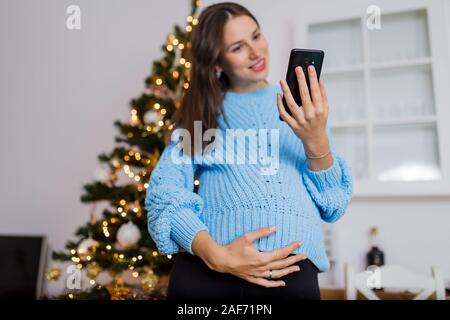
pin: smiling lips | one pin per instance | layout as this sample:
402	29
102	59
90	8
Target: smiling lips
259	66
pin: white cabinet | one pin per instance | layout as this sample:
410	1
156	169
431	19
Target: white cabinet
389	92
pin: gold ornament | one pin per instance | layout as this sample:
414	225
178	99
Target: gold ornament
53	274
92	270
149	280
118	290
86	248
115	162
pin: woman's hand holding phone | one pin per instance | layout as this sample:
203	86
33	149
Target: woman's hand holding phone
309	121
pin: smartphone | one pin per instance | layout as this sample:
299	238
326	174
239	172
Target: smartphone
302	58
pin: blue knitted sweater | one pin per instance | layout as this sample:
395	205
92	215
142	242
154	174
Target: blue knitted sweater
236	198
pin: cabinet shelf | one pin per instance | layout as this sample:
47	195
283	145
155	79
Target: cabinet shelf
388	96
379	65
402	63
370	189
416	120
348	124
389	122
343	69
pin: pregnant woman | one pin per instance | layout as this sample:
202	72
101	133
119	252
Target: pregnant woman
250	233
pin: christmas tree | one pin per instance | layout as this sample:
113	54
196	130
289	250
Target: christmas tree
118	243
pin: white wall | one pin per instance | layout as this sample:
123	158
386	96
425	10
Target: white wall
61	91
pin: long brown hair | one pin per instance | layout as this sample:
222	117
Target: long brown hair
203	100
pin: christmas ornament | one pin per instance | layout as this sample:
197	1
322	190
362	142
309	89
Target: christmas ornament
87	246
149	280
128	235
93	269
133	119
53	274
118	290
115	162
152	116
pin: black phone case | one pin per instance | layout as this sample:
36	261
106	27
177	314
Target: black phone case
302	58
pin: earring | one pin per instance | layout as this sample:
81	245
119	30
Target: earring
218	74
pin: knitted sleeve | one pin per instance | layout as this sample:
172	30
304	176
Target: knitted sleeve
173	208
332	188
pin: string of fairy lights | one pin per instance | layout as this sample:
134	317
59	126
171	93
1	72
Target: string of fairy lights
84	253
172	42
126	209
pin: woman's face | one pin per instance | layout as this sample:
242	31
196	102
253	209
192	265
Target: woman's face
245	57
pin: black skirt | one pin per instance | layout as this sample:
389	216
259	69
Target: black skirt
192	280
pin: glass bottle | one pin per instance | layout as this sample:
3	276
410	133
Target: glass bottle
375	256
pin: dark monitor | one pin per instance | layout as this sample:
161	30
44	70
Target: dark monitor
22	263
